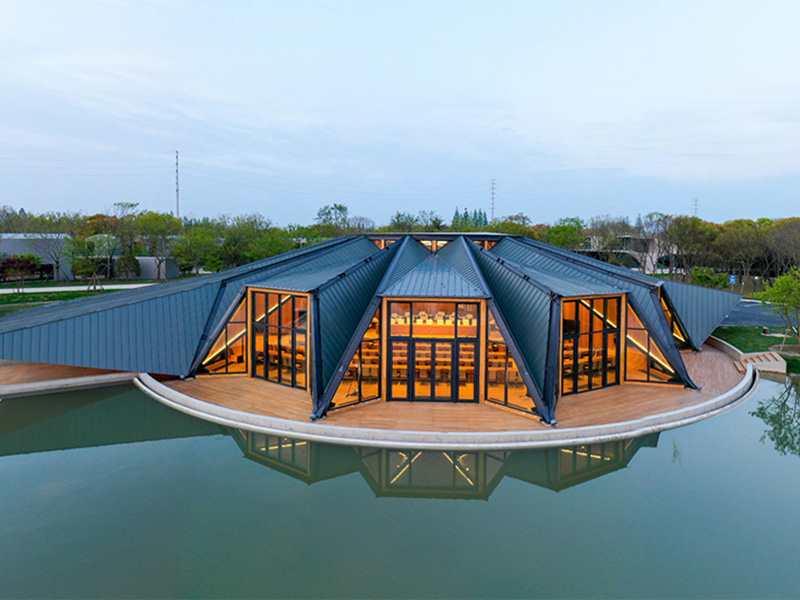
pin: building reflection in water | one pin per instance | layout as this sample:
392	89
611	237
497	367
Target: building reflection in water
121	415
440	474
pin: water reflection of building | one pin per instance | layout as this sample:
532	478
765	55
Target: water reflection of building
120	416
440	474
101	417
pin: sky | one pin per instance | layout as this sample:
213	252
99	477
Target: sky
573	108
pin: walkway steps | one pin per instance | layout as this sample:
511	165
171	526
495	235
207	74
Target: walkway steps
768	362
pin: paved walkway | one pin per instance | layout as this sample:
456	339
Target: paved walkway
73	288
752	312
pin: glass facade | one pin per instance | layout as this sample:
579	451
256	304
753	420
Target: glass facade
229	352
433	348
681	339
280	339
644	360
590	346
361	382
504	383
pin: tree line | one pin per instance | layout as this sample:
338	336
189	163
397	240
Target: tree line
686	247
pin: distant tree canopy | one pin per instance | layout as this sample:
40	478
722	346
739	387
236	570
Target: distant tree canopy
784	299
567	233
763	248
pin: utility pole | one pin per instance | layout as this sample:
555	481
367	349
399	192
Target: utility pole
493	199
177	189
695	206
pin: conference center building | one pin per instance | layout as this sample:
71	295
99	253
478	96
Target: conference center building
429	318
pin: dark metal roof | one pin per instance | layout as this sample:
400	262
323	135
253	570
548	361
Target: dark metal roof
642	291
699	309
312	273
155	329
344	303
411	254
433	278
526	309
562	278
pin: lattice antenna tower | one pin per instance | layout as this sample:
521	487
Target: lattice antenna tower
493	199
177	188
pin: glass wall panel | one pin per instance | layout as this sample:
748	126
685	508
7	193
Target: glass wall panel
645	361
400	319
466	371
422	370
517	392
435	370
496	372
362	379
590	342
259	308
259	352
467	320
279	346
300	312
370	369
348	393
273	309
399	373
504	383
287	318
443	370
433	320
229	352
678	333
494	330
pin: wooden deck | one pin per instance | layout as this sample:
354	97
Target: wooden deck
711	368
13	372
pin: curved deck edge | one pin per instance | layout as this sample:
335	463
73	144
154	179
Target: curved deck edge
433	440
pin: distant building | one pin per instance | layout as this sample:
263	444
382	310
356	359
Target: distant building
43	246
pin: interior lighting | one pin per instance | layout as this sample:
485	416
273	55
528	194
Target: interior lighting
243	332
637	344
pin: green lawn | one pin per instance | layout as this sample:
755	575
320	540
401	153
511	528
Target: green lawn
40	297
76	284
750	339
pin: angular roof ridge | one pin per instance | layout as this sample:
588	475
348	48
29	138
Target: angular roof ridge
429	279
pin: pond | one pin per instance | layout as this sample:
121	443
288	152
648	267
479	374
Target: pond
109	494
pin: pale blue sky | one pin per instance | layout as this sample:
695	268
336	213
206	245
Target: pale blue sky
575	108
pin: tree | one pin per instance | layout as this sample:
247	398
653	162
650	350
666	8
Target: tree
19	267
784	243
567	233
128	266
784	299
742	243
333	219
238	236
82	255
48	235
402	221
361	224
429	220
606	233
782	415
706	277
269	243
124	225
194	248
693	241
518	224
158	232
653	227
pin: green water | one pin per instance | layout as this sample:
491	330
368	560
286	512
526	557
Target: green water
109	494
